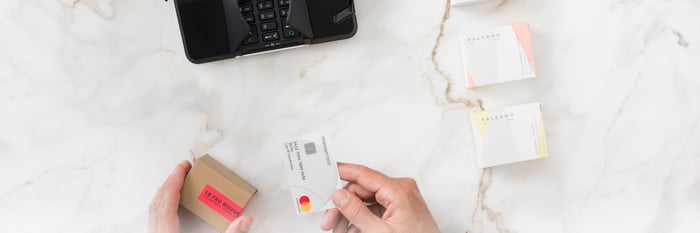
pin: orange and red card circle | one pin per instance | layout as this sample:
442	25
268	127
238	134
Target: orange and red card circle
304	203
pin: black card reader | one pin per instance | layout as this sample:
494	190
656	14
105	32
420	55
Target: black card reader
220	29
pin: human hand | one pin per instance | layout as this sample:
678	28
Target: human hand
162	214
373	202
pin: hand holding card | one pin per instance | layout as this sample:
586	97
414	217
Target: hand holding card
312	173
374	202
370	202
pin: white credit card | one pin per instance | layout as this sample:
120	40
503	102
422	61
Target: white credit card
312	172
508	135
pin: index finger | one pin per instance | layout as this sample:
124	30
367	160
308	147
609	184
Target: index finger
170	198
365	177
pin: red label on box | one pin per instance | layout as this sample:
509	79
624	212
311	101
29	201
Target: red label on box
220	203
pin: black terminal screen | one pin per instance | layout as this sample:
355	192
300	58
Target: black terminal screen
204	27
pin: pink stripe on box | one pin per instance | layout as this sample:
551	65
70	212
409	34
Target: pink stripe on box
522	31
470	80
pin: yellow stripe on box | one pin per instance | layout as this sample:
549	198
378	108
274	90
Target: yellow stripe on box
542	142
479	123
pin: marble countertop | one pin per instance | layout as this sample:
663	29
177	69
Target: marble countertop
99	103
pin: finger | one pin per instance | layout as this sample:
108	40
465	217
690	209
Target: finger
240	225
153	212
354	229
377	210
155	205
361	192
330	219
410	187
367	178
339	224
385	189
355	211
342	226
410	182
170	199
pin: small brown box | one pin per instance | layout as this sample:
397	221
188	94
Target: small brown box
214	193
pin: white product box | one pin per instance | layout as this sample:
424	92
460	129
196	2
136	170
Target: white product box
509	135
497	55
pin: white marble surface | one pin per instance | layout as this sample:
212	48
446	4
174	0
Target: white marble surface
98	103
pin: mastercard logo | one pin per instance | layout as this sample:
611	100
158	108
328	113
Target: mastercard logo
304	203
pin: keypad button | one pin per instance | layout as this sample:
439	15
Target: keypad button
283	2
249	18
283	13
290	32
271	36
252	37
267	15
268	26
246	8
265	5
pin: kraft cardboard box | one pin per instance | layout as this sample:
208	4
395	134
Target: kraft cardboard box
214	193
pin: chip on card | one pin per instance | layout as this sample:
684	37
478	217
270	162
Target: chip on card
312	173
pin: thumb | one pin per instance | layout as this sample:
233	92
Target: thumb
356	211
240	225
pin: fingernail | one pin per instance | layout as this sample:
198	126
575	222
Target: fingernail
340	197
245	225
